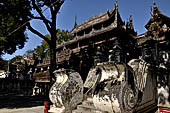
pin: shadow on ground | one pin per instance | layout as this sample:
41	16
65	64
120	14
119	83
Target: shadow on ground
18	101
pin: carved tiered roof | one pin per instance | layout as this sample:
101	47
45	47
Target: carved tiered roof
96	26
113	14
158	26
157	16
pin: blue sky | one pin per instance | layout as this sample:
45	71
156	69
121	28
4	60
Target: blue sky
84	9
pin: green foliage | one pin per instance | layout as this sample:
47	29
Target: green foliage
63	36
12	15
43	50
3	65
21	11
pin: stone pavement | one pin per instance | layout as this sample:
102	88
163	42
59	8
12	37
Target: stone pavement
38	109
22	104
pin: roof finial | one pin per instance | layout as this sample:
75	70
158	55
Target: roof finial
116	5
75	24
130	19
154	3
155	9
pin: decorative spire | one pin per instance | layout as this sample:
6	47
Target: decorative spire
75	24
116	5
155	9
130	19
151	10
154	3
129	26
129	23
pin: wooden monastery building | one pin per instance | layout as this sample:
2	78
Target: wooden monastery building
96	38
106	38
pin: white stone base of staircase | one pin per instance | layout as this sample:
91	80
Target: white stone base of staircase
87	107
56	110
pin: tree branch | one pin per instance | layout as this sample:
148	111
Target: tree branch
42	17
36	18
58	5
54	10
37	33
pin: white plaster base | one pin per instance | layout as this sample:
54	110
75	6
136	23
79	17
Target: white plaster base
56	110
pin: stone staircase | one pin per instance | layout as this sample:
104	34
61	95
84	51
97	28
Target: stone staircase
87	106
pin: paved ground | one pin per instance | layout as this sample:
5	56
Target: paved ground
22	104
25	104
38	109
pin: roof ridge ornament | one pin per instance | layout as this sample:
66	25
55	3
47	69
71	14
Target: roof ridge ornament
117	19
115	23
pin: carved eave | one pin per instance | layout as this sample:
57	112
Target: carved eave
46	62
87	36
161	18
142	38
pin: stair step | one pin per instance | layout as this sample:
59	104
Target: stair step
87	106
83	106
55	110
87	103
90	99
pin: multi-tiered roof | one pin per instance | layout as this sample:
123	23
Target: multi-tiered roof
158	26
98	25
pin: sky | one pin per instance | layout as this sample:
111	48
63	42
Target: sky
84	9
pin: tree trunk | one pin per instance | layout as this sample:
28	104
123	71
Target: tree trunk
52	60
52	45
